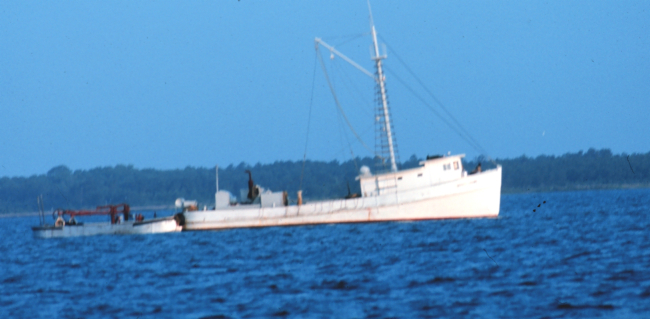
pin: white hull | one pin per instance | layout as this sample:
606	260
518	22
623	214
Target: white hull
154	226
473	196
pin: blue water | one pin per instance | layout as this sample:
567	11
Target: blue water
580	254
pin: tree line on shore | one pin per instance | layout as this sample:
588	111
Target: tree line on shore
62	187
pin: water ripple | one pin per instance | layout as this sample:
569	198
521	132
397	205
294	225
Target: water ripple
580	254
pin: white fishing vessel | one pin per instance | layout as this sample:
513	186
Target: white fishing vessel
439	188
121	223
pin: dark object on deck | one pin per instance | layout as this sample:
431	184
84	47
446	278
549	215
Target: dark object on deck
350	194
476	170
430	157
180	219
251	185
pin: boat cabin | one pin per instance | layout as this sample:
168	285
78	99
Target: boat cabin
431	172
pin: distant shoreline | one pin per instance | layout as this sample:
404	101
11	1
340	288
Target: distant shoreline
62	187
133	209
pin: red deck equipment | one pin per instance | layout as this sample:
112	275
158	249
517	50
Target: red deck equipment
113	210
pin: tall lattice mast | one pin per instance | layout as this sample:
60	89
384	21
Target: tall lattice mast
385	141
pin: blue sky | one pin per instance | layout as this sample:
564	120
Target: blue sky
160	84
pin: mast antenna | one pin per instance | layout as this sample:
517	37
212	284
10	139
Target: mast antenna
372	22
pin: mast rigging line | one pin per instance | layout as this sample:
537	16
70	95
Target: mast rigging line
381	87
311	99
347	140
338	71
442	106
352	87
350	39
460	134
347	36
344	148
338	104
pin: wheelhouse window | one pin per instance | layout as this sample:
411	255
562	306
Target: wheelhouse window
456	165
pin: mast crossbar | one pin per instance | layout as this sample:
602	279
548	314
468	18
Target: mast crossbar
348	60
